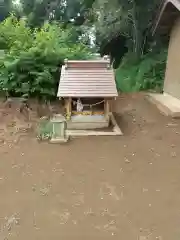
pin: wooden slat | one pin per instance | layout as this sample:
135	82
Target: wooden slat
87	79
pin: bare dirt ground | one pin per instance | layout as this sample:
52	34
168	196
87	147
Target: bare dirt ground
92	188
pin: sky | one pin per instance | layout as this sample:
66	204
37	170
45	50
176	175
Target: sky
16	2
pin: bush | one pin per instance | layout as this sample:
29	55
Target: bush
143	74
30	65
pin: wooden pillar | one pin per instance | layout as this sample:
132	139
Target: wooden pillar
106	108
68	108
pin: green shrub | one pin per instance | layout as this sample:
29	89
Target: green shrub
30	65
143	74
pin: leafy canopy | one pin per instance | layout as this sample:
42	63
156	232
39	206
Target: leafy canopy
32	58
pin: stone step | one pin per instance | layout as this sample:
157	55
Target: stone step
167	104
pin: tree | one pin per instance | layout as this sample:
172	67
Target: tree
124	19
5	8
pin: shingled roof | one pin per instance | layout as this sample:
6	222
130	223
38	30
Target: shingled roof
87	79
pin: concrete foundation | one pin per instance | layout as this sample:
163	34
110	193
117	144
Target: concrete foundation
85	122
116	131
167	104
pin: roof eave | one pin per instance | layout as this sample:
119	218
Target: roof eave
175	3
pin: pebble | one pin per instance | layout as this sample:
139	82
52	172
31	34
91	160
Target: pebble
127	161
173	154
159	238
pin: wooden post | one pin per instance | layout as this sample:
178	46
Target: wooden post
68	108
66	63
106	108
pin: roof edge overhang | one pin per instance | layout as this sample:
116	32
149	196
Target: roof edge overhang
94	96
88	61
163	7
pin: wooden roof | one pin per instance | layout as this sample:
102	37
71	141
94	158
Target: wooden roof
168	13
87	79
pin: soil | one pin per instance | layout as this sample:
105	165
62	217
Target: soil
125	187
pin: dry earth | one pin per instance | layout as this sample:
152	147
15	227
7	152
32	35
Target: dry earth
92	188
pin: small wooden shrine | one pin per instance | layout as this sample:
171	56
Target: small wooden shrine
88	88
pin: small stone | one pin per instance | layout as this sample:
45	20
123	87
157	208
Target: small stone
74	222
127	161
150	205
150	163
173	154
159	238
22	154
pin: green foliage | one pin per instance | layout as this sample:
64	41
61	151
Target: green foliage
32	58
142	74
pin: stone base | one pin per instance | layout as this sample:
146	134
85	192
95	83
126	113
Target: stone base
81	122
59	140
167	104
116	131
